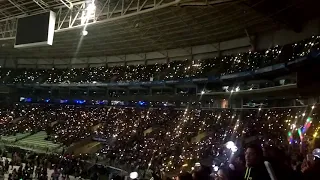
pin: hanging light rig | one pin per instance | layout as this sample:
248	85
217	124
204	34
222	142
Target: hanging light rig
88	14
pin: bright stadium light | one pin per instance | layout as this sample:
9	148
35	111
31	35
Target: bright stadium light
84	33
91	8
133	175
89	13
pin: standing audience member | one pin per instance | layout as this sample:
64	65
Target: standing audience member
256	169
224	173
203	173
55	175
185	176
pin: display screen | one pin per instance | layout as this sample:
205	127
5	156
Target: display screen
35	30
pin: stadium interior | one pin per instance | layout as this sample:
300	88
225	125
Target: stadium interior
162	89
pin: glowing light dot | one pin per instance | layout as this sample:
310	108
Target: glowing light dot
133	175
84	33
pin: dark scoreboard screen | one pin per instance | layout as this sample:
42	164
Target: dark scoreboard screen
34	30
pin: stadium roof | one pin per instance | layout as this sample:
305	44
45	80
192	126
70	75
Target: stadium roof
134	26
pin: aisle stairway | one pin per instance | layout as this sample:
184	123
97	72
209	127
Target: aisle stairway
38	141
16	137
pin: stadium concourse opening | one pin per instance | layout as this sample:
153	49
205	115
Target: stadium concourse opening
159	89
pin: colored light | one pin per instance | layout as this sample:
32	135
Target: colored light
27	100
62	101
309	119
142	103
79	101
315	134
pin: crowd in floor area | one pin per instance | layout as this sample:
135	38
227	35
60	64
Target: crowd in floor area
11	170
170	140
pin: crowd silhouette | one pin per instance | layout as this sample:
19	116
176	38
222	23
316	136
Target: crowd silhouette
172	140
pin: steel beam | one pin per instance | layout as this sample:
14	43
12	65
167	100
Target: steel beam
70	16
41	4
15	4
67	3
8	29
206	2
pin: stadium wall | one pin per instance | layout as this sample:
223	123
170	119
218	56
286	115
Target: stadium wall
260	41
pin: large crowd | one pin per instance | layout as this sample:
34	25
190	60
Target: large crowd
166	139
174	70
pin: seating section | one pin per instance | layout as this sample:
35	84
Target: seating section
14	137
164	138
218	66
160	137
38	141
